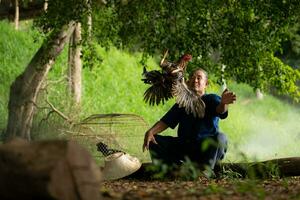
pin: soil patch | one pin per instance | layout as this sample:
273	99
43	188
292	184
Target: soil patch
278	188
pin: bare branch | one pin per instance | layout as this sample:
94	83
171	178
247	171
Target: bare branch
46	118
53	82
59	112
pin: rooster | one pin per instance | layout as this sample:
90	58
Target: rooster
169	83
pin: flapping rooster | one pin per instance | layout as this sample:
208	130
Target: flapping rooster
169	83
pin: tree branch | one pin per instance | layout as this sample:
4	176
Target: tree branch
59	112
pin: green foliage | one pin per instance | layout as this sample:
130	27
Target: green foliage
213	189
60	13
251	186
242	32
283	78
90	57
189	170
262	170
230	174
160	170
290	51
105	25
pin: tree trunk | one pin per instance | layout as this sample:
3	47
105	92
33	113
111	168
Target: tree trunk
75	65
17	14
45	5
59	170
24	90
89	22
223	80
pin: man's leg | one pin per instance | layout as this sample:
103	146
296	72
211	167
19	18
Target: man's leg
222	146
217	150
167	149
210	150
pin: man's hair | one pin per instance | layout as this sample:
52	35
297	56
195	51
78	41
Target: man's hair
198	69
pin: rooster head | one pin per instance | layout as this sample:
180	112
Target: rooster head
186	57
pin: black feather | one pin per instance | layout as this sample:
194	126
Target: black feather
103	148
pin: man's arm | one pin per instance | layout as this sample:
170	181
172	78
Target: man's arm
149	135
227	98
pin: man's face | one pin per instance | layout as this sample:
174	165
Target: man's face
198	82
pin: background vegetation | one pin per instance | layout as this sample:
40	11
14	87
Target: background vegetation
257	129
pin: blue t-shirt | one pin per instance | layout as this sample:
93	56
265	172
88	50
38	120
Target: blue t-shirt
192	128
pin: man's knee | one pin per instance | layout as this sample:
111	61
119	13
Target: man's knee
223	143
152	145
222	140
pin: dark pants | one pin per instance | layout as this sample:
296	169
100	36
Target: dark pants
173	150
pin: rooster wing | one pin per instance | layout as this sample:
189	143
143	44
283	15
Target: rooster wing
187	99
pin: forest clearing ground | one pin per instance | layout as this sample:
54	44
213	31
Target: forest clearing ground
277	188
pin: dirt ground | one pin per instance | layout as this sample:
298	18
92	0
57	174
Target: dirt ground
226	188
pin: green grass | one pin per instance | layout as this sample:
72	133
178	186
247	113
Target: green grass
257	129
16	50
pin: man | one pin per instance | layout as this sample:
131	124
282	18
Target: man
199	139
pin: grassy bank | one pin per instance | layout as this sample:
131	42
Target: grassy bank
16	50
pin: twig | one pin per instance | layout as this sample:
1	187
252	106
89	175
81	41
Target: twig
37	106
59	112
46	118
46	83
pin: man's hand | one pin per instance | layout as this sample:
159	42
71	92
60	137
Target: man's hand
149	137
228	97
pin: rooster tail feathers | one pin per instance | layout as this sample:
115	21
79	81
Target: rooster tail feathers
157	94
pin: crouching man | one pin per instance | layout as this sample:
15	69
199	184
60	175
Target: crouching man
198	139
